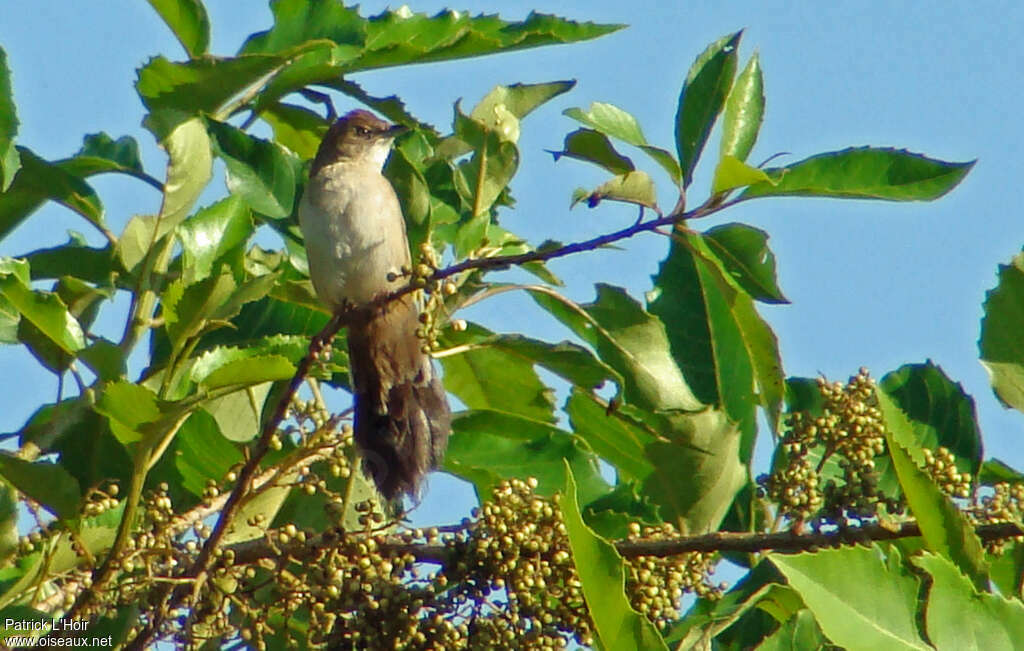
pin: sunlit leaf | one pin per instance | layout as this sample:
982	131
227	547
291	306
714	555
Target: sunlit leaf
46	311
732	173
602	575
189	22
864	173
260	171
594	146
210	233
632	187
10	160
745	255
744	111
702	98
189	164
860	600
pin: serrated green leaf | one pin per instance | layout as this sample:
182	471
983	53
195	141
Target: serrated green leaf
602	575
189	22
800	631
100	153
187	309
46	311
732	173
944	528
489	446
940	412
38	181
1000	344
212	232
744	111
47	483
859	600
10	161
251	370
743	251
632	187
701	99
202	85
128	407
261	172
864	173
594	147
959	616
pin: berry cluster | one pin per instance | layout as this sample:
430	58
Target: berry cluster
941	465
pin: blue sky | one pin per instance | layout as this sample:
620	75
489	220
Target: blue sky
872	284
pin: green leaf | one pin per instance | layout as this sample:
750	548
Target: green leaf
38	181
864	173
261	172
518	100
488	378
189	22
136	241
202	85
727	352
238	414
702	97
959	616
201	453
489	446
733	173
688	465
940	412
47	483
128	407
481	180
594	147
1000	344
630	340
632	187
861	600
994	471
210	233
744	111
9	158
944	528
105	359
800	631
743	251
187	309
189	165
617	123
102	154
46	311
8	521
296	128
602	576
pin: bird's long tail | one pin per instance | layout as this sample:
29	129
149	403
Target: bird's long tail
402	418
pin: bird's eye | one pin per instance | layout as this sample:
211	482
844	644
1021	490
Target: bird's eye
362	131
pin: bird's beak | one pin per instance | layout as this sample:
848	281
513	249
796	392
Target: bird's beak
396	130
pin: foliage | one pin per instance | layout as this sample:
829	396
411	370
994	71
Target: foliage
163	513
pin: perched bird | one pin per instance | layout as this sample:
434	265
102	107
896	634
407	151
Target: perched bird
357	245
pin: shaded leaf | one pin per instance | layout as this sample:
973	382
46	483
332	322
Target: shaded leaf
800	631
864	173
940	412
994	470
186	310
959	616
238	414
261	172
617	123
594	147
47	483
744	111
189	22
860	600
701	99
101	154
743	251
201	453
38	181
487	447
945	529
296	128
201	85
1000	344
632	187
602	576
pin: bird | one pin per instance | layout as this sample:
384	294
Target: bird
357	247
